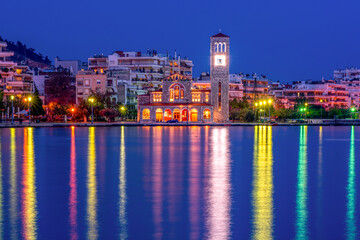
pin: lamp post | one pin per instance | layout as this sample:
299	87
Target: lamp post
256	104
352	109
321	101
29	99
12	110
122	109
261	103
92	110
269	101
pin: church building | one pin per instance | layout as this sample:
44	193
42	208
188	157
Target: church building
178	100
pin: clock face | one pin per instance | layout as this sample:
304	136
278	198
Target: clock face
220	60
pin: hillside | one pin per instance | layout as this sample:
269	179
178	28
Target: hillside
25	55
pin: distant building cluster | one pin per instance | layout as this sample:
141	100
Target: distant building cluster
137	79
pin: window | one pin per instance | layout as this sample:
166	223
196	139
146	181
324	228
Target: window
196	97
159	115
193	115
182	93
80	83
219	96
109	83
207	97
146	114
177	92
207	114
167	115
98	81
171	95
157	97
177	114
86	91
87	83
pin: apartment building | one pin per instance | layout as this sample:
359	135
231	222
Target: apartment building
14	80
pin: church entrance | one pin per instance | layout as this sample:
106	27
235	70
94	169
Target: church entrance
177	114
184	115
159	115
167	115
193	115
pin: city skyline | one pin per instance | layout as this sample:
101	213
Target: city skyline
283	41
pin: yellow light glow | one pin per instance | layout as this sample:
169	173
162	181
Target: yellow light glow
12	97
92	221
29	98
122	188
269	101
261	103
13	184
256	104
262	195
264	102
29	211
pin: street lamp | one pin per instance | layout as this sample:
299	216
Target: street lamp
122	109
29	99
92	109
12	109
269	101
321	101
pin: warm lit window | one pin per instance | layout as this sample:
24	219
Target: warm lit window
182	93
157	97
196	97
206	97
207	114
177	92
193	115
171	94
146	114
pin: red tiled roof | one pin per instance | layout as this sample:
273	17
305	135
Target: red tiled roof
220	35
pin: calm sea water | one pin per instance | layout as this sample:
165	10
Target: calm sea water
180	183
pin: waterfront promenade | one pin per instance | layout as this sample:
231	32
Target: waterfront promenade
324	122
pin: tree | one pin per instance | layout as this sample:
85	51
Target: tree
108	113
60	88
37	104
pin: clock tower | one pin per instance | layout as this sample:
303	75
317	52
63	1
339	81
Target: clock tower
219	75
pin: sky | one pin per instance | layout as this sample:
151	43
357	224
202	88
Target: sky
284	40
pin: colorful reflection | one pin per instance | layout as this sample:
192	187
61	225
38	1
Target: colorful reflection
218	223
262	196
194	183
29	209
122	188
92	188
73	189
301	191
157	180
13	210
351	192
319	185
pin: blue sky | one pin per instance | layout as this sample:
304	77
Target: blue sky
284	40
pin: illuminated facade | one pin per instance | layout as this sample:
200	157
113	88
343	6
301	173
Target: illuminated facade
176	100
179	99
219	76
14	80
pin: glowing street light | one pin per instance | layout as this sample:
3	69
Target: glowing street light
92	109
12	109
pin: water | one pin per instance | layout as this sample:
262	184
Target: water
180	183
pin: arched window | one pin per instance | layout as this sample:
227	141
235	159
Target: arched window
216	47
193	115
171	94
177	92
220	47
207	114
146	114
177	114
167	115
159	115
184	114
224	47
182	93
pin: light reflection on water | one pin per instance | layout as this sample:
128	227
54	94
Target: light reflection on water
92	188
13	209
219	203
301	192
351	192
73	189
122	188
263	184
176	183
29	202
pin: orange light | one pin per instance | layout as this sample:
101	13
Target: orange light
72	109
25	99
